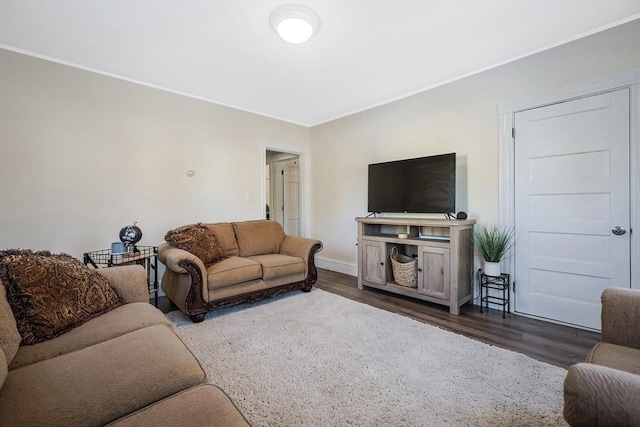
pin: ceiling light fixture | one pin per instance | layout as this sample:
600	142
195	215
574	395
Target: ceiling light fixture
295	24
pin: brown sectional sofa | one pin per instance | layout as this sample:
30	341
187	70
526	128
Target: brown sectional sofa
605	391
261	261
124	367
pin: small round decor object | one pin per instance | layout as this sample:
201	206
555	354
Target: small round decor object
461	215
118	248
402	235
130	234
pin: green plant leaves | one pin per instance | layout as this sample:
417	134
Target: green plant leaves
493	242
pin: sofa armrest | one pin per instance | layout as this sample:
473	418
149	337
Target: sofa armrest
129	281
184	280
621	317
599	395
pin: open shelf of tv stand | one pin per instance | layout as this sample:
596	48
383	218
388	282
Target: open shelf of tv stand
443	248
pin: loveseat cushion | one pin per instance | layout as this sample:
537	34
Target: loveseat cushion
117	322
101	383
198	406
231	271
258	237
615	356
276	265
51	294
9	336
226	237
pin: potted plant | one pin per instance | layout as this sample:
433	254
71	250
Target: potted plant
492	243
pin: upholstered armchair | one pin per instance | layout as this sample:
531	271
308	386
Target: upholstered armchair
605	391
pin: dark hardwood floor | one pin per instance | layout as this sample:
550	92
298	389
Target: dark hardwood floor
555	344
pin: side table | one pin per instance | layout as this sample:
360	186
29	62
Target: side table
147	256
501	283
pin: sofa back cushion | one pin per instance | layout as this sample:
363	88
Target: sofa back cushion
258	237
226	236
9	336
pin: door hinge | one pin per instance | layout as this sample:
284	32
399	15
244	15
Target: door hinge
513	132
514	287
282	172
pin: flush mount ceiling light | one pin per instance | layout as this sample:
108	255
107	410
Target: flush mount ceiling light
295	24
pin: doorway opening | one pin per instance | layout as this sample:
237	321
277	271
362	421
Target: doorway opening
283	188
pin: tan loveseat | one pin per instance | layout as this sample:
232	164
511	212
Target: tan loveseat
261	261
125	367
605	391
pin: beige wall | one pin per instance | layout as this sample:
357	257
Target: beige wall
461	117
82	155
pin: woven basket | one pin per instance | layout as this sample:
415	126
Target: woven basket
405	269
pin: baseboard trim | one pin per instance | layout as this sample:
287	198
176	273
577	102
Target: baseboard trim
336	265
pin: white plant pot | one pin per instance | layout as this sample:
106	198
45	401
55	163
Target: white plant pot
492	269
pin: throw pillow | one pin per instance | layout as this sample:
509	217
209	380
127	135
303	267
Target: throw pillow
9	334
198	240
51	294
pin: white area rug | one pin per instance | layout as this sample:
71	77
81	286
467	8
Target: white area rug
317	359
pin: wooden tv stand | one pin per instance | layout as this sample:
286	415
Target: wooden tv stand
444	249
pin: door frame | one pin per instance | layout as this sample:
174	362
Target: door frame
304	184
506	111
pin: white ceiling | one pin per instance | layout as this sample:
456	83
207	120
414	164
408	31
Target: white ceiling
366	53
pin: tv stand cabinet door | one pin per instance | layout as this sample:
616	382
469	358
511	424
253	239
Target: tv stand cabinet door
433	276
373	262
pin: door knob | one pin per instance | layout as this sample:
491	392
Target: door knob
618	231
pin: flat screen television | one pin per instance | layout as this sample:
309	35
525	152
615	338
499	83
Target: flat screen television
421	185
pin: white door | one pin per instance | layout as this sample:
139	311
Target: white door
571	192
286	200
292	198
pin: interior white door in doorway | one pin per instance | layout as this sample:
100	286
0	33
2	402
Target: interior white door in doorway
287	195
572	201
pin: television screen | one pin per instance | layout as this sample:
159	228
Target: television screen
422	185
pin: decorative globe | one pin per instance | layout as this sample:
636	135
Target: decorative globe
130	234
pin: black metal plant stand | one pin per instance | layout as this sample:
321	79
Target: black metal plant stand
501	283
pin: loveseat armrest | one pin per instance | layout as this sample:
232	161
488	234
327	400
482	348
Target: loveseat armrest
304	248
300	247
184	280
597	395
621	317
129	281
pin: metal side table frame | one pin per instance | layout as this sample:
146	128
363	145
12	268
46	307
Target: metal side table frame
501	283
